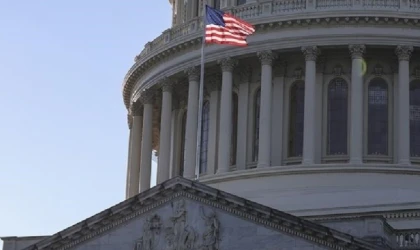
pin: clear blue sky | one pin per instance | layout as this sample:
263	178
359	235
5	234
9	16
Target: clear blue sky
63	129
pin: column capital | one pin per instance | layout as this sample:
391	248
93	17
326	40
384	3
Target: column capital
147	96
403	52
213	82
136	109
357	50
166	84
267	57
227	64
310	52
193	74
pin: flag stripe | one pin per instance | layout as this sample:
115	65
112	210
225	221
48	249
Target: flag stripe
226	29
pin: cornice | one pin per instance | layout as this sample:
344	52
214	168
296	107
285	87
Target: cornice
178	188
387	215
280	22
313	169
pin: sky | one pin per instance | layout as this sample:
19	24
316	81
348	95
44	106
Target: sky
63	125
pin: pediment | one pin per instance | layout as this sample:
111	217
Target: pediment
185	215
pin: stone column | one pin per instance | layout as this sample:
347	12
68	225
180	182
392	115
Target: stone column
320	68
191	126
146	143
213	83
130	135
165	133
225	127
309	125
135	150
264	149
177	113
403	115
356	104
243	104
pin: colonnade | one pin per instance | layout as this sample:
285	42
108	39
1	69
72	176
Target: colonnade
140	152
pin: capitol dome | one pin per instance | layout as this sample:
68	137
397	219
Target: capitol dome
318	117
310	136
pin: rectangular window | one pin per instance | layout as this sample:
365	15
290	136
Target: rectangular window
240	2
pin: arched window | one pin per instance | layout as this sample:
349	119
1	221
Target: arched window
377	117
257	102
297	107
337	111
415	118
183	128
204	136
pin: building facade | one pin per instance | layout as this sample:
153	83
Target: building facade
319	117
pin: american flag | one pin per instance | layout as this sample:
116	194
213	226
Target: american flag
223	28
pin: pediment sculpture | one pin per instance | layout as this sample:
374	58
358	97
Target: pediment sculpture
177	234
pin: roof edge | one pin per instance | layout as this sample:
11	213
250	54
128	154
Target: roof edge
181	187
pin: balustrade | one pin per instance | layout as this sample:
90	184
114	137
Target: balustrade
273	8
407	239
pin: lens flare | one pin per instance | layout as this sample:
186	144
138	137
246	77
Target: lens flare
364	67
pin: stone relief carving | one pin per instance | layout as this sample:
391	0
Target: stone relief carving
182	235
211	235
338	70
151	234
298	73
177	234
378	70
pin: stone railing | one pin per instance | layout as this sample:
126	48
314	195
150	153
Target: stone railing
255	11
407	239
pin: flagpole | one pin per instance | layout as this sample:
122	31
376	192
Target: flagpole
200	96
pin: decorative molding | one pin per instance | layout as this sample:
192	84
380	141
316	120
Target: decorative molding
378	70
227	64
298	73
166	84
193	74
319	169
178	189
357	51
148	96
403	52
267	57
411	214
310	52
338	70
149	58
137	109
